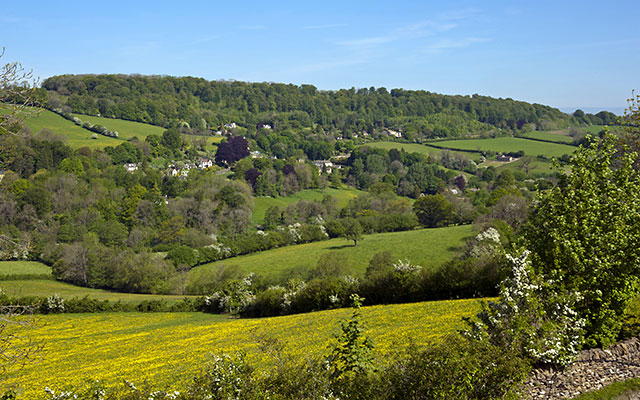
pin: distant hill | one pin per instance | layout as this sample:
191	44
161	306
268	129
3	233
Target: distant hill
197	104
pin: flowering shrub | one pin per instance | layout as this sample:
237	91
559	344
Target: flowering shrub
532	318
53	305
234	298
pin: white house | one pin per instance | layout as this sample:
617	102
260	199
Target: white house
205	163
504	158
231	125
393	133
326	164
130	167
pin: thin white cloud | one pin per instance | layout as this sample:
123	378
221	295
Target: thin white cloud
434	27
442	45
367	42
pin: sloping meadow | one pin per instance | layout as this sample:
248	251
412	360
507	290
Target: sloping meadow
168	349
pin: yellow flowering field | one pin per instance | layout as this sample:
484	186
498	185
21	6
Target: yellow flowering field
167	349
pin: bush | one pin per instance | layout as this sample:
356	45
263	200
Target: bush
457	368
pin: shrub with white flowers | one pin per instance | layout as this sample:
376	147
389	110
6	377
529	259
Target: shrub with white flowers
54	304
532	317
406	267
236	297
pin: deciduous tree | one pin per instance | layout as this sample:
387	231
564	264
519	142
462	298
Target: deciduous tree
584	234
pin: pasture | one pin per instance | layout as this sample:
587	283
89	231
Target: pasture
17	268
30	287
426	247
552	136
130	129
424	149
169	348
126	129
76	136
342	195
510	144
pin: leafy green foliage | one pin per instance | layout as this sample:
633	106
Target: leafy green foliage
585	235
457	368
433	211
153	99
352	355
532	319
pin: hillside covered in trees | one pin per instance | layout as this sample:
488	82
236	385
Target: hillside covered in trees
202	105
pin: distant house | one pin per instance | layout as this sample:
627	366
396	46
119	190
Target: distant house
504	158
393	133
204	163
231	125
131	167
256	154
263	126
324	164
218	133
2	174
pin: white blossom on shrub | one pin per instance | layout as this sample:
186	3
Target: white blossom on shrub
287	297
55	304
406	266
234	298
491	234
351	280
294	231
532	317
487	243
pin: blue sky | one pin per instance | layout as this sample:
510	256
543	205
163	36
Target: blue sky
561	53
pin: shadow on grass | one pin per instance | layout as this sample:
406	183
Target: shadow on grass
339	247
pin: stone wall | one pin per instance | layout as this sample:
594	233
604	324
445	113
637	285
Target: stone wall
592	370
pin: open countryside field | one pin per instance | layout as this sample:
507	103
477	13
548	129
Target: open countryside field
129	129
16	268
426	247
419	148
76	136
66	290
552	136
126	129
510	144
167	349
342	195
537	168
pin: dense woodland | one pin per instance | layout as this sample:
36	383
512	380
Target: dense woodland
201	105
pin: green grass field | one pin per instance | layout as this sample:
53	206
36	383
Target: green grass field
169	348
553	136
418	148
126	129
65	290
426	247
343	195
537	168
510	144
76	136
16	268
